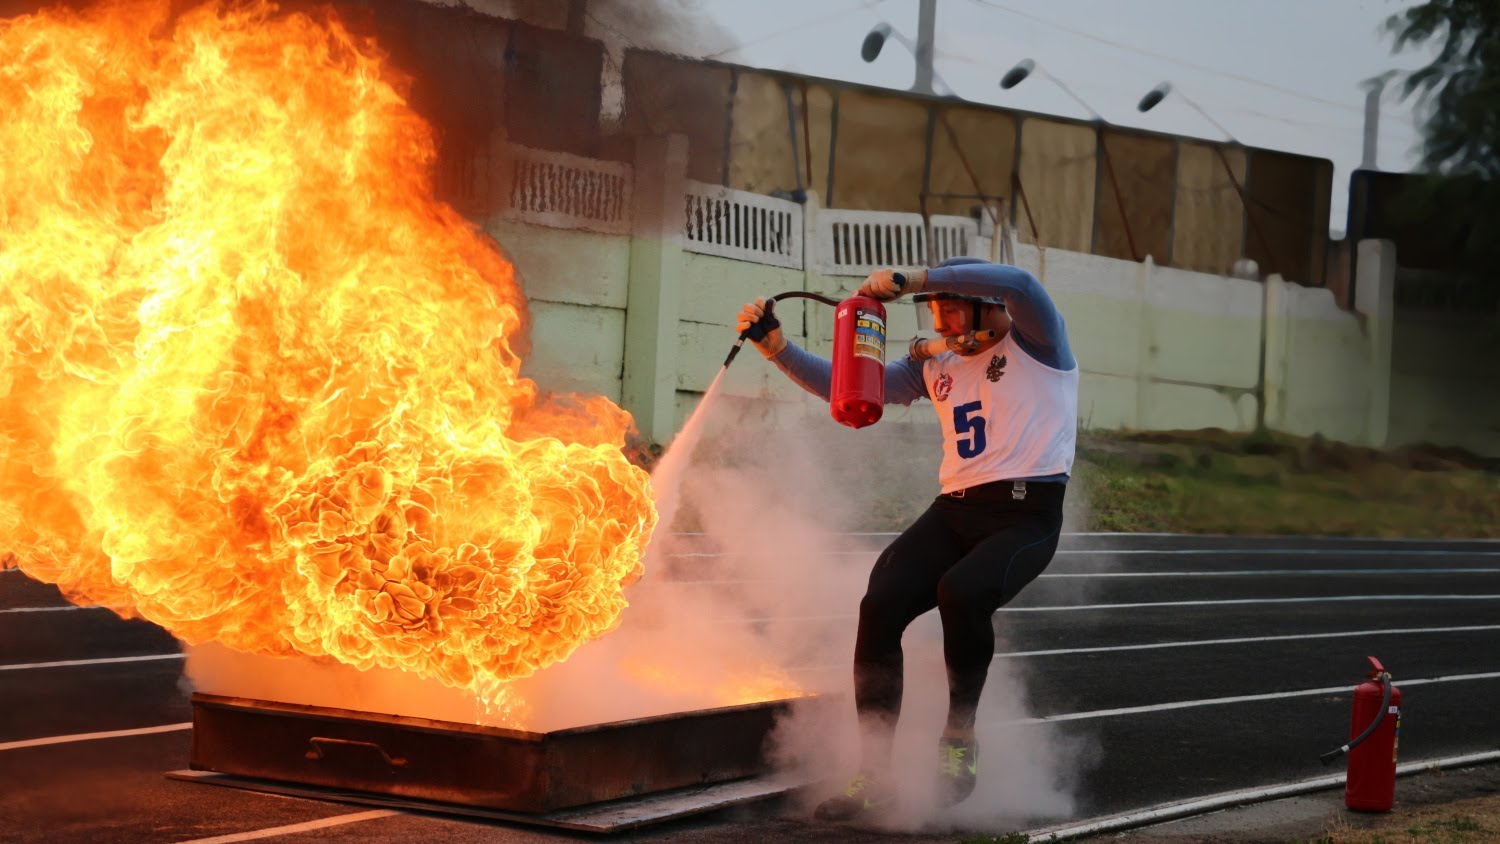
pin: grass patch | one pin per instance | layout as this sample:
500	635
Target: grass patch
1474	821
1215	482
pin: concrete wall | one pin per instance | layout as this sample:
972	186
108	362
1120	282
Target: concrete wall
1164	348
1321	366
575	282
1161	348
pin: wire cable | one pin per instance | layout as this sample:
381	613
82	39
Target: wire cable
1166	58
1389	122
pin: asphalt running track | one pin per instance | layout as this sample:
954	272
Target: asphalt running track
1190	665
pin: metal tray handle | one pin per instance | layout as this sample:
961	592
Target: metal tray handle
317	743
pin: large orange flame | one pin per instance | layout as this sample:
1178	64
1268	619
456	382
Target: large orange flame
256	384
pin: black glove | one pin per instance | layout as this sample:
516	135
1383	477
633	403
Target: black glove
765	325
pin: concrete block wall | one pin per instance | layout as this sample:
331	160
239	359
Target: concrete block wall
1321	368
576	285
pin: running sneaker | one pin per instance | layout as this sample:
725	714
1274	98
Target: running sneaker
958	768
863	797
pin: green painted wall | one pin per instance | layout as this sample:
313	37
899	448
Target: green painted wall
575	283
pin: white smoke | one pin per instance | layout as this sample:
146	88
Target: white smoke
777	489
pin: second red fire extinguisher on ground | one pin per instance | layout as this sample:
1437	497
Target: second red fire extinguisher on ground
1374	740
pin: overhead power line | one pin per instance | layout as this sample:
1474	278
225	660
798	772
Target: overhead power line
1248	80
1389	122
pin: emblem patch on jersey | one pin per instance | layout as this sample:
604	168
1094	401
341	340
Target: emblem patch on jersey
942	386
996	368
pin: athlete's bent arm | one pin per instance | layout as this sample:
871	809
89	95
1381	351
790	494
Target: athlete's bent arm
1035	320
813	373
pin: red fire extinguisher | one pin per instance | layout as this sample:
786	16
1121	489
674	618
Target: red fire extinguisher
1375	732
857	394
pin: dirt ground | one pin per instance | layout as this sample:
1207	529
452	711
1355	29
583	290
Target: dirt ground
1460	806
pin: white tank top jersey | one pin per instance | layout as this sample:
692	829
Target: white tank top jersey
1005	415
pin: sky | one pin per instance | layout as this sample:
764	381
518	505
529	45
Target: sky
1279	74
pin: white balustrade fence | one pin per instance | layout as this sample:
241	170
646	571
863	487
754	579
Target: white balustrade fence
565	191
559	190
858	242
742	225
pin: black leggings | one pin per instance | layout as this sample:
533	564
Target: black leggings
968	557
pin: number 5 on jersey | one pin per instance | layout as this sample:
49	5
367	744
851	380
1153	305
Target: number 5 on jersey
969	426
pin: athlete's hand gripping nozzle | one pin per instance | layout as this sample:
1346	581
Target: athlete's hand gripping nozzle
758	323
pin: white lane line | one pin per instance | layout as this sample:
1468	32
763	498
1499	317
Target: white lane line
71	663
1199	536
1331	540
1138	552
1250	639
1231	601
49	609
143	731
1220	701
1327	552
1192	643
1244	573
1149	605
292	829
1277	571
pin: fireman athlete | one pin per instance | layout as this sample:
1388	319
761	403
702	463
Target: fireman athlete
1008	407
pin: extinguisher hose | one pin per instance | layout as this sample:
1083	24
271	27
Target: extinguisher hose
1385	702
770	305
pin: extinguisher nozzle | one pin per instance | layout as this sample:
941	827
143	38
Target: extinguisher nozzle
1331	755
734	350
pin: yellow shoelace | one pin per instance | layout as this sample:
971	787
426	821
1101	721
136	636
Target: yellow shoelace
953	761
858	784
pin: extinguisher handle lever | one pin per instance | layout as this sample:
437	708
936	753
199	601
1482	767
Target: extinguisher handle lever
1376	668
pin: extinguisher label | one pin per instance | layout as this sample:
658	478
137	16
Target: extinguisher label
869	336
1396	739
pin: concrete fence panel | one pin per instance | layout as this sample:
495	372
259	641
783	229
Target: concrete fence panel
565	191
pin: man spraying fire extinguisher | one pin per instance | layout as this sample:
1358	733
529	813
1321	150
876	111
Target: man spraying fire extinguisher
1004	384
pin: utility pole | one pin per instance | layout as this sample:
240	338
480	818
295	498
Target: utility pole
1373	91
926	32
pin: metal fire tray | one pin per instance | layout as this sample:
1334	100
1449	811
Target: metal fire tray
486	767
